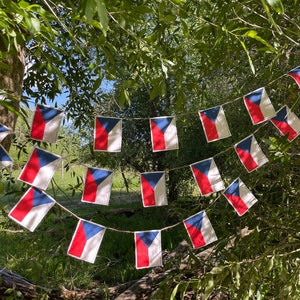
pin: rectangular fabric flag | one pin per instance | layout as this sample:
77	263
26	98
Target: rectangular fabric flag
32	208
163	134
207	176
214	123
97	187
5	160
153	186
239	196
295	73
250	154
147	249
45	124
86	241
287	123
108	134
4	131
259	106
40	168
200	230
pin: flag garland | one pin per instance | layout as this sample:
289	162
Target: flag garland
31	208
214	123
45	123
237	189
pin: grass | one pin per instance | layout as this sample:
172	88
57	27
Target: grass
42	257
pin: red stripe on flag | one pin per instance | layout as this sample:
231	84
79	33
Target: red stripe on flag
142	255
237	203
24	206
247	159
196	236
101	137
38	125
78	242
31	169
285	128
255	111
148	193
203	182
210	128
90	188
158	138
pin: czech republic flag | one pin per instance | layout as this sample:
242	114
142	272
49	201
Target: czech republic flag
163	134
154	189
147	249
86	241
200	230
214	123
45	124
207	176
32	208
5	160
239	196
250	154
97	187
287	123
40	168
108	134
259	106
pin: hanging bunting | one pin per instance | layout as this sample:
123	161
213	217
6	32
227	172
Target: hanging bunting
153	187
4	131
259	106
147	249
32	208
108	134
250	154
45	124
40	168
207	176
97	187
287	123
86	241
295	73
200	230
239	196
214	123
5	160
163	134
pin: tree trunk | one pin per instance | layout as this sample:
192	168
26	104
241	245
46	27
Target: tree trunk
11	83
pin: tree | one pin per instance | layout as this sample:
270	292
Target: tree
173	57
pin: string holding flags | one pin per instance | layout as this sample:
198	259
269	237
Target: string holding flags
87	238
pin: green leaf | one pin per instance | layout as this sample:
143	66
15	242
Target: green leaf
277	5
89	10
248	56
253	34
102	13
